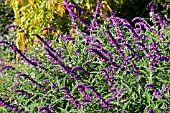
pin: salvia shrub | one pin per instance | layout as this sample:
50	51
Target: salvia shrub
113	68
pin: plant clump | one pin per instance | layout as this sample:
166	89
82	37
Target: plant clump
114	67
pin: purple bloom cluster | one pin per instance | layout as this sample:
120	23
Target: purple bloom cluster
44	108
98	53
156	92
8	105
67	94
48	28
32	81
80	68
22	92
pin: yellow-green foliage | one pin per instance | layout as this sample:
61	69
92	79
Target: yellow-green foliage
33	15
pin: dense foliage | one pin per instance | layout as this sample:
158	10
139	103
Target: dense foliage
6	18
113	67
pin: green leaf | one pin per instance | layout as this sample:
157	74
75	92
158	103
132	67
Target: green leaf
63	110
127	87
139	89
125	104
148	98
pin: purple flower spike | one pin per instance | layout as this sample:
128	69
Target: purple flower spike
64	88
31	80
80	68
41	108
150	68
150	86
22	92
110	99
111	39
151	6
98	53
3	103
68	37
113	89
44	80
160	57
15	85
11	26
130	28
164	87
97	7
6	67
48	28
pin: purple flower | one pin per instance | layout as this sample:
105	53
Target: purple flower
164	87
76	52
156	92
130	28
150	111
8	105
81	9
110	99
15	85
6	67
41	108
80	68
44	80
17	27
1	103
32	80
106	17
96	46
48	28
25	34
97	8
50	106
53	85
103	103
72	14
22	92
150	68
111	39
67	37
113	89
11	26
106	77
64	88
67	94
83	101
150	86
158	58
42	97
122	111
151	6
130	48
98	53
134	67
45	43
142	22
14	48
81	88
